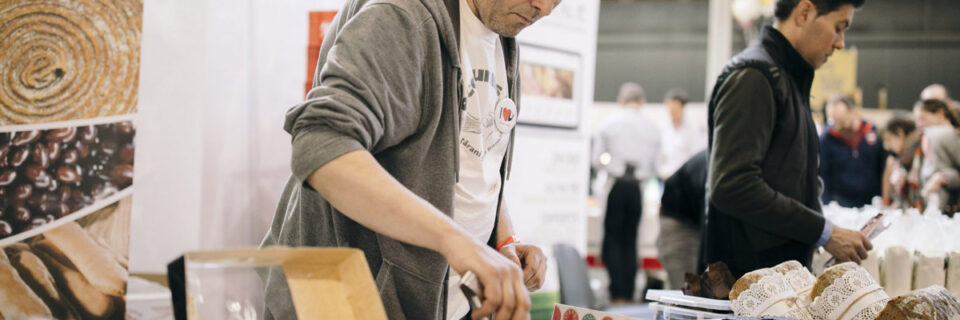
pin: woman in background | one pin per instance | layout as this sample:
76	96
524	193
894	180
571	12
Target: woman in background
941	143
901	138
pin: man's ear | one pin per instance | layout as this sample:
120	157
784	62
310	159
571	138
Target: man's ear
804	13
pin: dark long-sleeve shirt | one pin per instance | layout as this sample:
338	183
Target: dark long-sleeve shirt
744	125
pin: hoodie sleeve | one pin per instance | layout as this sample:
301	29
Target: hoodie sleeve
369	90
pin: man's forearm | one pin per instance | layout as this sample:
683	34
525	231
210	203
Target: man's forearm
886	187
356	185
505	223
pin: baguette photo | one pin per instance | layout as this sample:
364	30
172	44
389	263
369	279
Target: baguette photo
88	299
98	265
36	275
17	300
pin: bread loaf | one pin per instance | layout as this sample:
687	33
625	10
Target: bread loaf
746	281
846	291
765	293
831	274
716	281
691	285
933	303
119	257
14	248
17	300
87	298
800	278
97	265
36	275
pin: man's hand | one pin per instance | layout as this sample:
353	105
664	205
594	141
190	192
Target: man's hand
502	290
937	180
898	178
848	245
531	259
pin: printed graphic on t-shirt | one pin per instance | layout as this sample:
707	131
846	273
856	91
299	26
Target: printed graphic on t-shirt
494	124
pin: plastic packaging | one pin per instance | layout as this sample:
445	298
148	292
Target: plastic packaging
930	254
677	298
953	256
953	273
896	267
897	270
872	264
666	312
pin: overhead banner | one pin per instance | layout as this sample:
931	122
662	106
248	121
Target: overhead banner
319	23
69	73
837	76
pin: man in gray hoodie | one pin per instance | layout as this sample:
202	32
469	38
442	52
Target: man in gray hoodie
401	150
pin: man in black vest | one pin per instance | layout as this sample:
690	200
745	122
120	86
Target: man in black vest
762	187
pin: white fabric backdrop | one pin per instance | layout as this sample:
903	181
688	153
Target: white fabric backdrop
217	77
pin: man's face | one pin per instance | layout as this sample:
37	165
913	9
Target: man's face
824	34
676	109
923	118
845	119
893	141
508	17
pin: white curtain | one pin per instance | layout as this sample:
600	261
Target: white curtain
217	77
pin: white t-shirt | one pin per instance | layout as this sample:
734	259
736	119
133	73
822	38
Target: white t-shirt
629	138
680	144
487	121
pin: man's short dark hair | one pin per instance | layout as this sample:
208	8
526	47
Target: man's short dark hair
676	94
631	92
900	126
846	100
785	7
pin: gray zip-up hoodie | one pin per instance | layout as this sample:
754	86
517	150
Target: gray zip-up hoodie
387	81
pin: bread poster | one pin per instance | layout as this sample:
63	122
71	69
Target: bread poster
69	73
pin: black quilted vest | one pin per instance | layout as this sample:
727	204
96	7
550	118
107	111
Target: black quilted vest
792	161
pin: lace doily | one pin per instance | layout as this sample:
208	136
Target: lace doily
798	313
871	311
797	276
803	299
761	295
801	280
836	298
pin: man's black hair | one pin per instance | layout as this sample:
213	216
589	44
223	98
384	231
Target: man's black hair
900	125
785	7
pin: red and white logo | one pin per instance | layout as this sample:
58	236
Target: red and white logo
507	115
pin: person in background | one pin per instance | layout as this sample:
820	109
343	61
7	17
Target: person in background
852	157
627	136
620	224
896	135
942	144
683	136
626	141
901	139
939	92
933	120
681	209
763	185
